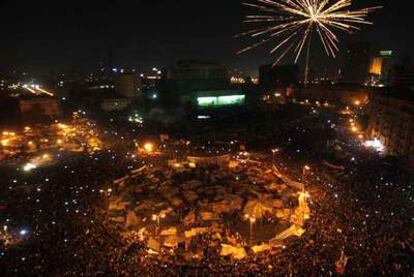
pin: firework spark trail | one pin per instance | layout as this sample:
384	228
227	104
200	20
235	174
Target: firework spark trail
291	23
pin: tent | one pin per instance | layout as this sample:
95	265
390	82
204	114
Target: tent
258	207
172	241
189	218
196	231
132	219
261	248
153	244
291	231
237	252
169	232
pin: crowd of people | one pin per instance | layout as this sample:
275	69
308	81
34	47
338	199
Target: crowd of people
364	212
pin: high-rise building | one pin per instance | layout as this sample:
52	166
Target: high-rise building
189	76
402	77
201	84
391	120
127	84
357	61
380	69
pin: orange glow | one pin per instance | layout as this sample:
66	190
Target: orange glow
5	142
376	66
149	147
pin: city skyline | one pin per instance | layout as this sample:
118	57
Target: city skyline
51	37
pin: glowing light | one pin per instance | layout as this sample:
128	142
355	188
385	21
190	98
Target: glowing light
291	24
149	147
5	142
23	232
375	144
29	166
216	101
44	91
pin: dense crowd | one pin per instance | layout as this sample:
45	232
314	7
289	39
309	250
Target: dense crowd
364	211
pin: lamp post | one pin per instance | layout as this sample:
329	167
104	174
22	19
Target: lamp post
157	218
274	151
107	195
306	168
252	220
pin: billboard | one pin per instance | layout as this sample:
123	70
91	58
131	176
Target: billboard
221	101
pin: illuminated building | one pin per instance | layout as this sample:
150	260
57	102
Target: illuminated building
391	120
215	99
202	85
380	69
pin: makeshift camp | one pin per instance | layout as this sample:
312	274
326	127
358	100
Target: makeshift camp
172	241
153	244
284	214
258	207
169	232
196	231
291	231
132	219
189	218
261	248
116	204
237	252
207	216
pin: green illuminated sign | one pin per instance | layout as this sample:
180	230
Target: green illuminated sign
386	53
219	101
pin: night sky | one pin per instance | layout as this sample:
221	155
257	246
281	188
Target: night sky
45	36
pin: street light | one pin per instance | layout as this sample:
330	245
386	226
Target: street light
252	220
306	168
274	151
157	218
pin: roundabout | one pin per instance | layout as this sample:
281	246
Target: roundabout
236	209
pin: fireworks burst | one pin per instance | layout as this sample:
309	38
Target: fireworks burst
291	24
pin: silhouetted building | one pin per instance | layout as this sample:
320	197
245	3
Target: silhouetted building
127	84
39	108
346	94
276	77
402	77
190	76
392	122
357	61
201	84
115	104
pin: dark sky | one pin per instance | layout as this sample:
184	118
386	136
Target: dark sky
44	35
